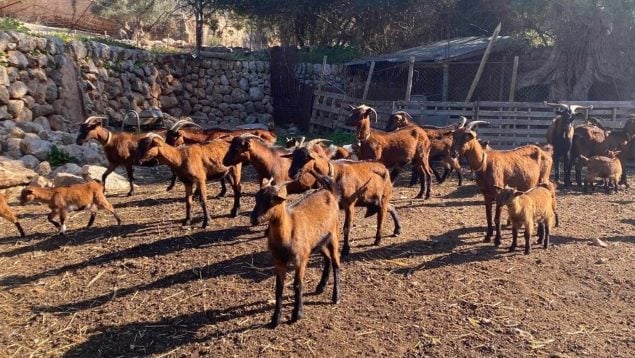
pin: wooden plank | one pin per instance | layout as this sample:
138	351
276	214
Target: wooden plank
322	73
512	86
368	79
481	66
411	67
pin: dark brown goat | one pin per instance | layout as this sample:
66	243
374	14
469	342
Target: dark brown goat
296	230
365	184
5	212
194	164
393	149
590	140
560	135
440	143
186	132
119	147
268	161
522	168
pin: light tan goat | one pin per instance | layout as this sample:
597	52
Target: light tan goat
5	212
608	168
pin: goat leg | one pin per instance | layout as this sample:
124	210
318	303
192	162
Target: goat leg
348	217
19	227
541	233
395	218
110	169
497	223
547	233
488	215
527	238
172	182
223	188
335	262
203	200
91	220
512	248
326	271
380	221
298	306
281	272
130	173
188	204
50	217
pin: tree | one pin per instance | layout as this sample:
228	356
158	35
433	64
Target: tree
203	11
136	15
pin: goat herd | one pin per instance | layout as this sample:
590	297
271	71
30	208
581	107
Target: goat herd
517	178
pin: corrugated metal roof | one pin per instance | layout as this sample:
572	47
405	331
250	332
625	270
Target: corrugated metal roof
440	51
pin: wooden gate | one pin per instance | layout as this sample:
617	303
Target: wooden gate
292	100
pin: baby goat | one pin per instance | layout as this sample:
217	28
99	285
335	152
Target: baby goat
5	212
607	167
526	208
294	231
84	196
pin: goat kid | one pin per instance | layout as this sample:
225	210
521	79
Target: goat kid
87	196
293	232
7	213
607	167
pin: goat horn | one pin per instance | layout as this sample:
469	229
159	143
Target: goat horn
302	139
249	135
575	107
92	119
463	121
561	105
317	141
473	123
154	135
182	123
405	114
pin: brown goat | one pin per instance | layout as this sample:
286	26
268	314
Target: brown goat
194	164
268	161
560	135
590	140
522	168
87	196
393	149
118	147
183	133
5	212
296	230
365	184
607	167
528	208
440	143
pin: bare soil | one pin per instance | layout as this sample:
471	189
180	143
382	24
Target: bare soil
153	287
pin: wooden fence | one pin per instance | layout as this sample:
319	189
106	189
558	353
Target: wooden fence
511	124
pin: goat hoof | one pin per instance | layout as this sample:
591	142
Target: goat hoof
296	316
497	241
377	241
319	289
526	252
336	300
233	213
273	324
487	239
397	232
187	222
512	248
346	250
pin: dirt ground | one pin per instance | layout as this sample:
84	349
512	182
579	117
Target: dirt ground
153	287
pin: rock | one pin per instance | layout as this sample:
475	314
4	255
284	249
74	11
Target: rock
40	110
12	148
65	179
17	59
238	95
57	122
16	132
8	124
598	242
44	168
69	168
36	147
256	94
243	84
4	114
13	173
31	127
43	122
4	77
115	183
41	182
30	161
18	90
168	101
4	95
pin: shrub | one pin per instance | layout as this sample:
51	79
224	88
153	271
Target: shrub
56	157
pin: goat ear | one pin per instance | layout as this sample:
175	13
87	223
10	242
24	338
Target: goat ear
468	136
266	182
518	193
448	133
246	144
289	155
281	195
498	188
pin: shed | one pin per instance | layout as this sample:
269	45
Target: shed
443	70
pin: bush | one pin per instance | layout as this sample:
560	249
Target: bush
340	137
11	24
57	157
335	54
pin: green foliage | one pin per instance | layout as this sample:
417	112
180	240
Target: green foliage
340	137
56	157
335	54
11	24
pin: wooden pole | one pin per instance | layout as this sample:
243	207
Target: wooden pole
481	66
322	74
502	82
446	81
512	86
411	68
370	76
